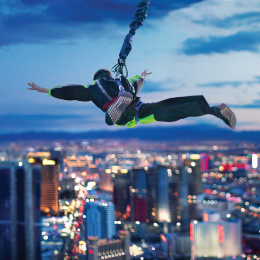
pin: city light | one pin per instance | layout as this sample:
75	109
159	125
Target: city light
48	162
254	161
31	160
163	238
194	156
146	191
192	232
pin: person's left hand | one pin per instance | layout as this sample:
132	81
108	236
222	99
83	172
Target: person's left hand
37	88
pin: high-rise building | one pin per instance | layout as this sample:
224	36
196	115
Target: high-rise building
105	181
166	194
219	239
195	187
163	195
139	194
49	186
143	194
20	219
99	219
49	178
122	197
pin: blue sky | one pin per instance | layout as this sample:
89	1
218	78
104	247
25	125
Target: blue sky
192	47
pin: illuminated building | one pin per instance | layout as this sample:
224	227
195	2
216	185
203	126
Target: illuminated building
49	178
160	194
205	162
112	249
20	218
195	187
121	197
176	245
100	218
163	195
59	153
143	194
221	206
210	215
49	185
215	239
152	195
139	194
105	181
78	164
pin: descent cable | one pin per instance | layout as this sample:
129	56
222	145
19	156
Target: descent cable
140	15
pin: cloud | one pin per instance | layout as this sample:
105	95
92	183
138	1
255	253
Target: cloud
241	41
151	86
254	104
234	84
44	21
232	21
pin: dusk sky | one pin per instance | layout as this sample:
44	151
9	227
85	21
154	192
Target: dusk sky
192	47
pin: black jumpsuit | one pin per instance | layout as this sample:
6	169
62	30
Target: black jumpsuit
168	110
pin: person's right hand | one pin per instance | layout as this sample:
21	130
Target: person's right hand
145	74
37	88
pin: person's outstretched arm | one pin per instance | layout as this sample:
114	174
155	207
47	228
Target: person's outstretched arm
67	92
139	81
38	88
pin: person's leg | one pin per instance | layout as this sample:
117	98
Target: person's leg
174	109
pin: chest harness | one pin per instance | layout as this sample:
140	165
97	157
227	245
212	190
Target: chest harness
112	100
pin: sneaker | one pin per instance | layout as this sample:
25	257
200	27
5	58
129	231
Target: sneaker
225	113
115	111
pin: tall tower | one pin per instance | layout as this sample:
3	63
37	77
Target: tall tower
122	197
139	194
144	194
193	167
99	220
184	198
163	195
20	219
49	185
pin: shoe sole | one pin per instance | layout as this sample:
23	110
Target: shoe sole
115	111
228	115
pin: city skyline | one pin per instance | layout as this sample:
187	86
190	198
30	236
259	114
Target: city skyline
141	199
206	47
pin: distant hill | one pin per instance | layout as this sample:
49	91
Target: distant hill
181	133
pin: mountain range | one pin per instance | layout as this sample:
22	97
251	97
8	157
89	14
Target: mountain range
176	133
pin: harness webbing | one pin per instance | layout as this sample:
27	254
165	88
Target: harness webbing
119	84
103	90
111	100
137	106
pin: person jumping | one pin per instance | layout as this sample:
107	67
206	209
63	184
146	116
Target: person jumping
118	99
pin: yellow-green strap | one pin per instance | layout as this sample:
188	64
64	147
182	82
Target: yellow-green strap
135	77
51	89
147	120
90	84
